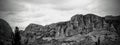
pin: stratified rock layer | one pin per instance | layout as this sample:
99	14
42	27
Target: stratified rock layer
80	30
6	34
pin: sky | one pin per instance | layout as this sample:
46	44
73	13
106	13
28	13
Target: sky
43	12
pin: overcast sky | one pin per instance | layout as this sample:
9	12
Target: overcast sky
23	12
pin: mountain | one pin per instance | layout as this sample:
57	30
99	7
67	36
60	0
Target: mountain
6	34
88	29
115	20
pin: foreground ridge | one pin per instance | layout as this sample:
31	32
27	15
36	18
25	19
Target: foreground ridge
6	34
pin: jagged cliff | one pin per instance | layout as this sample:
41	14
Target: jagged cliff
86	29
6	34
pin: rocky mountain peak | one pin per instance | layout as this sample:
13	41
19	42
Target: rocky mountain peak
80	30
33	26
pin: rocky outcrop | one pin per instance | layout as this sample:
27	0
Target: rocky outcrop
6	34
115	21
86	29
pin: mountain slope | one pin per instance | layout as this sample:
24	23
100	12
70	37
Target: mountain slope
86	29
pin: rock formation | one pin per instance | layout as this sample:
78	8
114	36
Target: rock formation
6	34
86	29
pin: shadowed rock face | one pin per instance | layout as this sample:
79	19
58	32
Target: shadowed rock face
80	30
6	34
115	21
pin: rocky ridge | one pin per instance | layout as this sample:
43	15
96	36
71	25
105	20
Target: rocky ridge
86	29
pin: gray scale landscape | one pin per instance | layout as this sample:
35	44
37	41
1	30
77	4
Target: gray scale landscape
88	29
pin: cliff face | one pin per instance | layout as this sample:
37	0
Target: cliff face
80	30
6	34
115	21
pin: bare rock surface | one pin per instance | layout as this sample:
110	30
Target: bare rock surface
81	29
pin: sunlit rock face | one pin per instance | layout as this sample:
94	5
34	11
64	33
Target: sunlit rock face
86	29
6	34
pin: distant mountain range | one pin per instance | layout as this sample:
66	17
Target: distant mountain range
88	29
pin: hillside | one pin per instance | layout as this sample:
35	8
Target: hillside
88	29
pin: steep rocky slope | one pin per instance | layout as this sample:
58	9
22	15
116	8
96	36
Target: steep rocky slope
86	29
115	20
6	34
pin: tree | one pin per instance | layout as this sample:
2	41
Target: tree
17	37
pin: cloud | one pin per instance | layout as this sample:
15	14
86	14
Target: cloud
10	5
43	1
73	4
23	12
110	7
61	4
